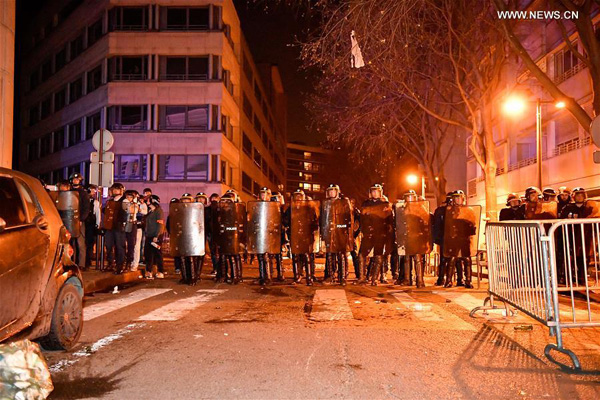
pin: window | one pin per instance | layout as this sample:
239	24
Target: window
75	90
216	23
525	151
46	70
34	115
184	117
224	172
247	145
11	204
94	79
34	79
127	118
306	186
76	46
94	32
46	107
46	145
257	158
226	126
307	155
185	68
128	19
60	59
316	187
74	134
214	126
308	177
178	18
307	166
216	67
257	93
227	81
127	68
247	107
92	124
566	64
72	169
33	150
257	125
265	168
131	167
180	167
246	183
60	99
255	188
58	139
248	69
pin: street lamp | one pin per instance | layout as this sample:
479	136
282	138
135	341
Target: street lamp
515	106
413	179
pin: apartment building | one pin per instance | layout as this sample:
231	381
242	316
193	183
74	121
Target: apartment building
168	78
567	150
306	169
7	63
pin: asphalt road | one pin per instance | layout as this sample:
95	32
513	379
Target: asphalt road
162	340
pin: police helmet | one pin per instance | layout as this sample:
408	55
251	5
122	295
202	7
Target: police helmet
75	175
411	195
579	195
531	190
513	199
187	198
376	188
299	195
331	187
549	194
173	200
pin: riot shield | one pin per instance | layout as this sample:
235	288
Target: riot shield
263	227
377	226
67	205
111	214
591	209
541	210
304	230
413	228
231	223
336	222
187	229
461	231
131	209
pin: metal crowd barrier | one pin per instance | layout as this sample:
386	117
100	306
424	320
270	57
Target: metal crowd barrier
547	269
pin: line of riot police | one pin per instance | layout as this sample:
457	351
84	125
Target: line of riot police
377	235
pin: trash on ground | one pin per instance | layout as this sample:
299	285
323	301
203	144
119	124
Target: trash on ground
24	373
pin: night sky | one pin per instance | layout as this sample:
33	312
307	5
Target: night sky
271	37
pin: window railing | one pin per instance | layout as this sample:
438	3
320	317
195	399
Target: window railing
571	145
123	27
187	128
187	27
184	77
569	73
128	77
129	128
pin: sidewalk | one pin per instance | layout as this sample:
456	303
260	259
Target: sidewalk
97	281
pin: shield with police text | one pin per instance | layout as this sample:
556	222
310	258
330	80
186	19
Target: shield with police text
336	222
67	205
541	210
591	209
263	227
231	224
304	230
186	234
461	231
413	227
377	227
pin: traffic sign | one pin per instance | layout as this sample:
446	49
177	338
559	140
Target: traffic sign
108	174
107	140
107	157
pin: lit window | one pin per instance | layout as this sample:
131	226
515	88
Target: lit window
307	155
299	173
308	166
300	185
308	177
306	186
316	187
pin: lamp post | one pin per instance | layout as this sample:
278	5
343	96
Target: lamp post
413	179
515	106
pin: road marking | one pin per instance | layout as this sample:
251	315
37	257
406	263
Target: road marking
177	309
429	312
105	307
330	305
98	345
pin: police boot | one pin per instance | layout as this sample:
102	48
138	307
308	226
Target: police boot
279	260
420	271
407	271
441	272
377	264
459	263
183	270
261	269
384	270
295	261
362	277
450	273
198	264
329	265
268	269
468	268
238	272
342	268
234	270
394	266
310	272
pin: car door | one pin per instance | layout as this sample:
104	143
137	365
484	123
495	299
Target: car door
24	248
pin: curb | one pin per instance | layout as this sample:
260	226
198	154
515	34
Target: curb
109	280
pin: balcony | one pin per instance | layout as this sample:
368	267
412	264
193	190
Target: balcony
571	145
184	77
569	73
128	77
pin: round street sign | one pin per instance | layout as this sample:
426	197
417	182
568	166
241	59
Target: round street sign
107	140
595	131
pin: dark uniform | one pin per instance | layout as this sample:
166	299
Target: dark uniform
513	210
438	238
114	226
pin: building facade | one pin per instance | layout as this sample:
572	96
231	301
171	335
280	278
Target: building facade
168	78
567	149
7	67
306	170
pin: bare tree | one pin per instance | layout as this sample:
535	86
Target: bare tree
590	57
443	57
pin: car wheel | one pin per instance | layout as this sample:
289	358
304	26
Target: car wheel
67	320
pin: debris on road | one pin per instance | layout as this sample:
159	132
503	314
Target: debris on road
116	290
24	373
523	328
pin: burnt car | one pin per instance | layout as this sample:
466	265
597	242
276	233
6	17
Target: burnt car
41	289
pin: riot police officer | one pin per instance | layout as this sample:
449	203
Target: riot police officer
187	275
264	276
376	225
564	198
438	237
336	228
420	221
575	209
230	247
76	181
301	221
211	216
114	226
462	263
513	210
278	257
549	194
